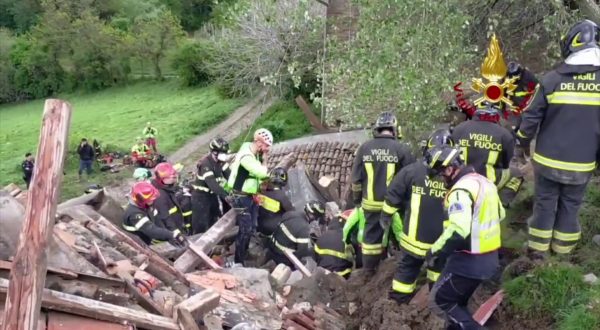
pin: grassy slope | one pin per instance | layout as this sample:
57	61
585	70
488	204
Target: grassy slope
115	117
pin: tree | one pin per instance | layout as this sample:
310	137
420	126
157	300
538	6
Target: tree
154	36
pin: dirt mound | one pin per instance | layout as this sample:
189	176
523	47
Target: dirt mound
329	289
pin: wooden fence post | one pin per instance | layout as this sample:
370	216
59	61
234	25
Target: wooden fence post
28	272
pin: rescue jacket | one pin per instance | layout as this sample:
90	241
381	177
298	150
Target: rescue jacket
246	171
210	177
472	236
170	214
272	205
486	146
140	149
375	164
566	108
354	227
332	253
184	199
292	234
149	132
420	201
142	222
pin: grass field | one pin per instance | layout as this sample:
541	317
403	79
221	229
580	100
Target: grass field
115	117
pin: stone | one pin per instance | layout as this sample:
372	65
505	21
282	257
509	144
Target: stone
213	322
295	276
281	274
254	279
352	308
590	279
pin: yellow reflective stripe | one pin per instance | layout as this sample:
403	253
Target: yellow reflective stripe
370	181
188	213
138	225
205	175
408	247
344	272
465	153
521	94
356	187
371	205
188	225
176	232
447	160
521	135
413	222
205	189
540	233
562	248
538	246
281	247
567	236
403	287
156	241
330	252
420	245
389	209
505	176
390	171
568	166
173	210
292	237
514	183
372	249
432	276
580	98
269	203
490	170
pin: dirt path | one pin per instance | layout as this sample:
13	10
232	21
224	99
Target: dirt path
229	129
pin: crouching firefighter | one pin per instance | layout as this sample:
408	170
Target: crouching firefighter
273	202
208	189
375	164
170	214
247	172
467	250
140	217
293	234
489	147
331	252
419	199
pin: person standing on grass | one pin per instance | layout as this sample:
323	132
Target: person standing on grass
149	133
86	157
27	166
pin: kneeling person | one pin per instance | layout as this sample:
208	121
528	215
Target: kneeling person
273	202
331	252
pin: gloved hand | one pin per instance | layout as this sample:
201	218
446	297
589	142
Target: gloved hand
229	200
385	221
178	239
435	262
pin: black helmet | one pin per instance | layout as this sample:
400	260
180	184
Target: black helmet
514	69
314	210
386	120
440	157
219	145
583	35
440	137
278	177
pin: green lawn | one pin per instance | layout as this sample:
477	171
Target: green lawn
115	117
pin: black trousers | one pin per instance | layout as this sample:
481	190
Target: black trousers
246	221
372	247
205	211
405	278
555	215
449	298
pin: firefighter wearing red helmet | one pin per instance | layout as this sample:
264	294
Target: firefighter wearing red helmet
140	216
170	214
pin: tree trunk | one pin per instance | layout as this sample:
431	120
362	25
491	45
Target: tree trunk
342	19
157	70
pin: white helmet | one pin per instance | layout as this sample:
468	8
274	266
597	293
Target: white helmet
263	134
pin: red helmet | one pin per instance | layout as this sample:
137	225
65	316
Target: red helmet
144	193
164	170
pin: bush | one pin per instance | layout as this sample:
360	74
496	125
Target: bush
191	63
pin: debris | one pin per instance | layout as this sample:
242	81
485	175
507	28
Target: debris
281	274
207	260
420	298
352	308
295	276
590	279
286	290
302	306
213	322
192	310
299	265
486	309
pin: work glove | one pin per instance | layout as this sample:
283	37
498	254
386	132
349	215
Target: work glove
385	221
435	261
178	239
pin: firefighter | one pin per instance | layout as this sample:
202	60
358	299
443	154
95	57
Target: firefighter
375	164
170	214
331	252
141	154
293	234
467	250
149	133
208	190
247	173
526	82
353	232
140	217
419	201
273	202
565	113
489	148
142	174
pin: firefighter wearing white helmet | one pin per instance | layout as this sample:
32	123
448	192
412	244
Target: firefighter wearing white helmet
247	172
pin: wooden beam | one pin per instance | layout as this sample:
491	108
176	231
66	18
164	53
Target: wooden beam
192	310
28	271
207	241
312	118
207	260
299	265
58	301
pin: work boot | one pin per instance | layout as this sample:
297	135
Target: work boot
400	298
536	256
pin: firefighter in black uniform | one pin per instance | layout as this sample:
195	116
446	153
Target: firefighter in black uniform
489	148
331	252
420	202
565	111
273	202
526	82
169	210
208	187
140	216
376	163
293	234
